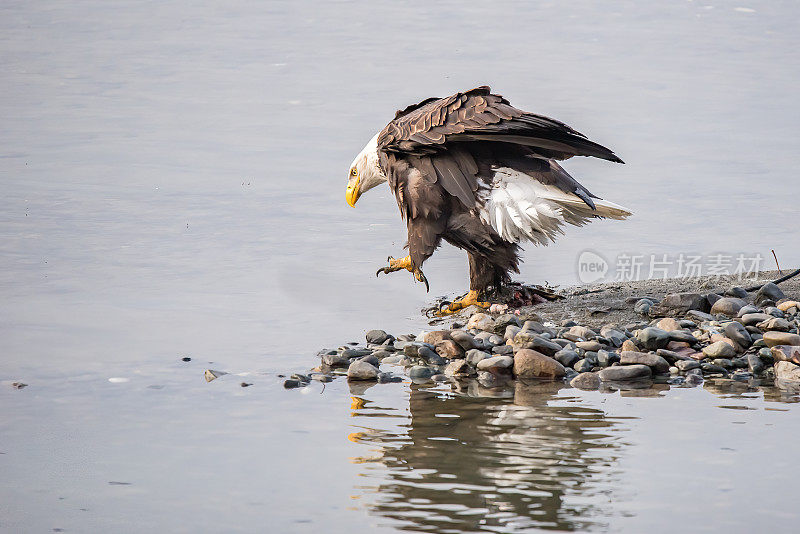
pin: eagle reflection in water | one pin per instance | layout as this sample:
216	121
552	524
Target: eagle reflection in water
464	463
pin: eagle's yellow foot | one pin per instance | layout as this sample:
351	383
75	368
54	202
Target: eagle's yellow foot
470	299
404	263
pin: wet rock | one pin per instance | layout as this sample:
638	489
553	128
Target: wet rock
606	358
335	359
710	368
693	379
622	373
583	366
679	303
496	364
19	385
738	333
653	338
772	339
481	321
729	306
397	359
532	364
725	363
658	364
388	378
687	365
787	371
356	353
720	349
566	357
755	364
371	359
465	340
457	368
769	291
752	319
186	359
361	370
430	356
528	340
449	350
587	381
292	383
420	372
376	336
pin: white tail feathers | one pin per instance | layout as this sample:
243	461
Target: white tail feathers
521	208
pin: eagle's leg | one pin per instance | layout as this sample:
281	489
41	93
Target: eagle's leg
408	265
483	272
470	299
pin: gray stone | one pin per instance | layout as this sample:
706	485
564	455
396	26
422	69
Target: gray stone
511	331
587	381
465	340
693	379
381	354
769	291
677	303
503	349
723	362
606	358
370	359
528	340
336	359
360	370
751	319
593	345
738	292
567	357
775	323
583	332
496	363
713	369
420	372
430	356
738	333
653	338
755	364
787	371
785	353
687	365
658	364
449	349
700	316
356	353
775	312
748	309
583	366
377	336
481	321
682	336
643	307
720	349
476	355
621	373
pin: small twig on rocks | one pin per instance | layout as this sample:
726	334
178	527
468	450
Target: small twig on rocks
778	281
776	262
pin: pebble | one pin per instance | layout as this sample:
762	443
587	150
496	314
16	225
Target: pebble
474	356
361	370
376	336
503	349
420	372
465	340
430	356
693	379
457	368
643	307
720	349
496	363
687	365
769	291
481	321
593	345
738	333
532	364
653	338
606	358
622	373
587	381
787	305
755	364
337	359
787	371
293	383
658	364
583	366
772	339
776	323
729	306
567	357
751	319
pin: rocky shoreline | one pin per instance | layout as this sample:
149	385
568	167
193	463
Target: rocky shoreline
627	336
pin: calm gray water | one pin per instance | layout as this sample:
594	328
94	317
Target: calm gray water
172	181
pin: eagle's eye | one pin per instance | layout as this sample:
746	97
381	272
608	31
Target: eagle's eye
353	172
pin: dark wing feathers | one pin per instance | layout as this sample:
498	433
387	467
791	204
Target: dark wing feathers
446	138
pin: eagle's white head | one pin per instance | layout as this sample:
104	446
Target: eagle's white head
365	172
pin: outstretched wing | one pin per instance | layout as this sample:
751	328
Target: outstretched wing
455	140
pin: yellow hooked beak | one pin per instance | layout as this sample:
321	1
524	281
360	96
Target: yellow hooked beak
353	192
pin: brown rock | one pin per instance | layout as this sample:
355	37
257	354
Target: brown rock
669	324
481	321
787	305
629	345
729	306
786	353
588	381
781	338
435	337
653	361
532	364
677	345
449	349
787	371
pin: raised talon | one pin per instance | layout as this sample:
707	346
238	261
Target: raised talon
470	299
420	276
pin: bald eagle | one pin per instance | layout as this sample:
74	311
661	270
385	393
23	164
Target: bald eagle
482	175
